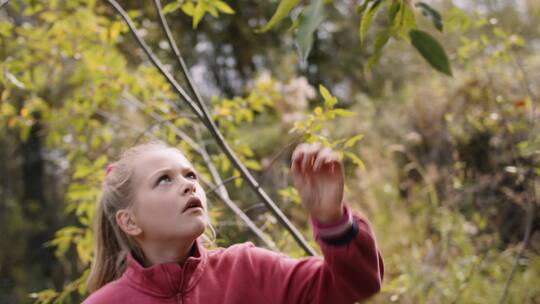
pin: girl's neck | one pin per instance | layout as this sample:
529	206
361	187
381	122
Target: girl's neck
156	254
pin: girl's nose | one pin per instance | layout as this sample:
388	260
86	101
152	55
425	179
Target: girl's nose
189	187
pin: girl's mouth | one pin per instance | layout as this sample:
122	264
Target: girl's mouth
193	203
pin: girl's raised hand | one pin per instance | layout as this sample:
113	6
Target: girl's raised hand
318	176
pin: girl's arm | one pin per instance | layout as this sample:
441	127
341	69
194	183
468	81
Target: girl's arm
352	268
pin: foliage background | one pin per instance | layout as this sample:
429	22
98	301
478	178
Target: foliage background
451	163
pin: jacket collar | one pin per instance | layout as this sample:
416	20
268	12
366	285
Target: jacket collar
167	279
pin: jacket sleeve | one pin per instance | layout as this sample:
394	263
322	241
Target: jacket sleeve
351	270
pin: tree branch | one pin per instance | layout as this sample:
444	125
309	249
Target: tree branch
218	137
172	43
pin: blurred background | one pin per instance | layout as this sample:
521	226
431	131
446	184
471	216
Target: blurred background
446	168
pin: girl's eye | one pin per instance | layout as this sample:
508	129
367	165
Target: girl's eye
164	179
191	175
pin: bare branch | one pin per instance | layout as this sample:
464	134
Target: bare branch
224	197
155	60
224	182
214	131
180	59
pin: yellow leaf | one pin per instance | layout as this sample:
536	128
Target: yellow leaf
24	112
171	7
318	111
5	95
329	100
253	165
344	113
222	111
115	30
356	160
49	16
353	140
213	11
188	8
223	7
225	164
198	14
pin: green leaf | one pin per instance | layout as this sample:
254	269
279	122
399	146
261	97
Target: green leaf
344	113
225	164
310	19
238	180
171	7
431	50
367	19
405	22
393	10
432	13
284	7
380	41
188	8
252	164
353	140
101	161
294	24
356	160
329	100
223	7
212	10
198	14
362	8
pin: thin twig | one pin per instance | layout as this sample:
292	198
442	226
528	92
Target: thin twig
155	61
224	182
252	207
147	130
258	232
224	197
214	131
180	59
277	155
528	231
158	118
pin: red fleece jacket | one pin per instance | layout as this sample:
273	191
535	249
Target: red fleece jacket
351	270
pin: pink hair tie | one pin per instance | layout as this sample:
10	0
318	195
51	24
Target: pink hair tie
109	168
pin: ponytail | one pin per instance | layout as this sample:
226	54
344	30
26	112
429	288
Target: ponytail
109	255
112	245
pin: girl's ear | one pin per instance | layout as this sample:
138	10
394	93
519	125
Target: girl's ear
125	221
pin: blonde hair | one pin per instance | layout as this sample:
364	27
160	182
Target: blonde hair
112	245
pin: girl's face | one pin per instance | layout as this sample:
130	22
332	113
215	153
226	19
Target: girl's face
169	203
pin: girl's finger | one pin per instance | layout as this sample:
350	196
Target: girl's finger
296	161
299	149
322	157
309	155
334	161
332	158
297	157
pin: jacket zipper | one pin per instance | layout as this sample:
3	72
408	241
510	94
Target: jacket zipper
179	298
179	295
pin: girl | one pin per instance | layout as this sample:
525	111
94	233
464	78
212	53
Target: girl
153	211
